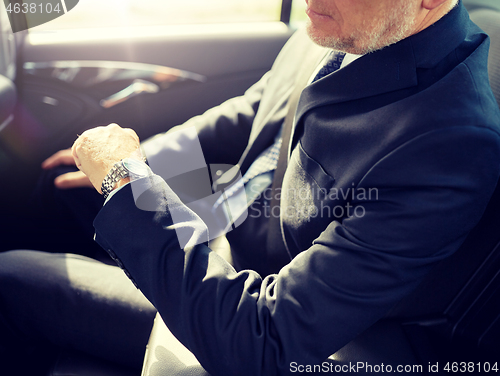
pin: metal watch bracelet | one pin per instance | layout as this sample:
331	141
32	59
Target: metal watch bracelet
117	173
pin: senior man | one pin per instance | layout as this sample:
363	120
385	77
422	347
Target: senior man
404	109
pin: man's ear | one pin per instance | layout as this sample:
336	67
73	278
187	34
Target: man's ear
432	4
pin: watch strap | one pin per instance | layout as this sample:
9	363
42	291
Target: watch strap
117	173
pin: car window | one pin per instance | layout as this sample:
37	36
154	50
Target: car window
298	14
126	13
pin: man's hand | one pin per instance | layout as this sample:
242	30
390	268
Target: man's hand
98	149
75	179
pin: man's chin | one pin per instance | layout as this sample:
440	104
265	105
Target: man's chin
324	40
318	36
348	45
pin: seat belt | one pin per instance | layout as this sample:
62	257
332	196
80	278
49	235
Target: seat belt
276	243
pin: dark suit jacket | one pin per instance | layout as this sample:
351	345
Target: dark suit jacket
415	122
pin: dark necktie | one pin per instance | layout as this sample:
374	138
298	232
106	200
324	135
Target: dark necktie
333	63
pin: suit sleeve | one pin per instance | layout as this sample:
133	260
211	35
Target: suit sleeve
241	323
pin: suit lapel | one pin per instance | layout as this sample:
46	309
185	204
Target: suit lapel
264	135
373	74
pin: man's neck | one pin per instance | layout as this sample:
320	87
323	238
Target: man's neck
429	17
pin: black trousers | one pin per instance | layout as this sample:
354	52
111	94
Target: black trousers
52	300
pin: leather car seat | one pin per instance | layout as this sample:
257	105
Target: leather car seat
489	21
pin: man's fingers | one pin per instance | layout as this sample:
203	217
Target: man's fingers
62	157
75	179
132	133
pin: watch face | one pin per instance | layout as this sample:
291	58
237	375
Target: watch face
135	167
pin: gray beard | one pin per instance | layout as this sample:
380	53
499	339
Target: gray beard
388	31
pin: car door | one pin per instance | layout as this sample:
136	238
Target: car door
154	69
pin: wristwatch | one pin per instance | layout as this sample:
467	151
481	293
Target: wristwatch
127	167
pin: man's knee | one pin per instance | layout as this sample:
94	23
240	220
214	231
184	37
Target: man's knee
73	301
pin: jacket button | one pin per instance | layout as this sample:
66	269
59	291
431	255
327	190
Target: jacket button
112	254
119	263
130	277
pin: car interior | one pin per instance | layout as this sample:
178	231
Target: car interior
54	86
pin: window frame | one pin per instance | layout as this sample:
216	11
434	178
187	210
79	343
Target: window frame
286	11
21	22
